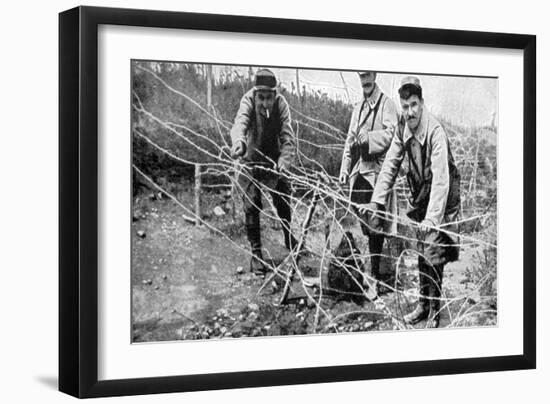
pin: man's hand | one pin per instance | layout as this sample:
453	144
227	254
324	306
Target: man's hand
375	217
425	226
238	149
363	139
282	165
352	142
343	179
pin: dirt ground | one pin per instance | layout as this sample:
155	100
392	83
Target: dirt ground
191	282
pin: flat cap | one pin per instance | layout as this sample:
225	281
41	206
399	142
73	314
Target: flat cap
413	80
265	80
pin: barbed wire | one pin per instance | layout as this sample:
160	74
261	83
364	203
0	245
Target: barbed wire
333	198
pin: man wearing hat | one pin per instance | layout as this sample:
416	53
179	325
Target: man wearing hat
434	184
262	136
371	129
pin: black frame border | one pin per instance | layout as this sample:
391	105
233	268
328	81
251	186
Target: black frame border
78	206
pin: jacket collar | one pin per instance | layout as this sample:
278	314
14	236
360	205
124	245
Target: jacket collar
374	97
371	101
421	130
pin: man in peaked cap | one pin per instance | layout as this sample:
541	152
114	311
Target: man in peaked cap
263	137
371	129
434	184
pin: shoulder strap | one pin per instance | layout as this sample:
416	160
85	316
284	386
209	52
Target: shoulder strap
376	110
400	127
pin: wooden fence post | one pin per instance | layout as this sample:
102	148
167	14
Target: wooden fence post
198	186
298	85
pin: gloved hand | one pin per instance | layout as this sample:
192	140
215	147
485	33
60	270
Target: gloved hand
238	149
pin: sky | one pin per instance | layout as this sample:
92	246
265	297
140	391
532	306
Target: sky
468	101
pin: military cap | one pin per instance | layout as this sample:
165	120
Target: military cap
412	80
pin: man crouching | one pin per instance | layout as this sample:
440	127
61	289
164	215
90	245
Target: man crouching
262	135
434	184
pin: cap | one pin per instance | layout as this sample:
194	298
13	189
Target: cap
265	80
415	81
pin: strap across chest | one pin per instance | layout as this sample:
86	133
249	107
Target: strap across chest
362	122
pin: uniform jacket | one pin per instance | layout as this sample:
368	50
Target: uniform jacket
433	178
265	139
372	125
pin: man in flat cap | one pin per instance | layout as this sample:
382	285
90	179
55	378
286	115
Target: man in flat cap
370	133
262	135
434	184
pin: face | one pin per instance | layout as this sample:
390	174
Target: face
411	109
367	82
265	100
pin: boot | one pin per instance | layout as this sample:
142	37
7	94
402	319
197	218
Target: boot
282	206
433	318
257	266
420	313
435	294
422	310
254	237
381	288
375	249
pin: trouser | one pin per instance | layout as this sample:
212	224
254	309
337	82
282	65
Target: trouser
251	181
430	280
361	193
437	248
